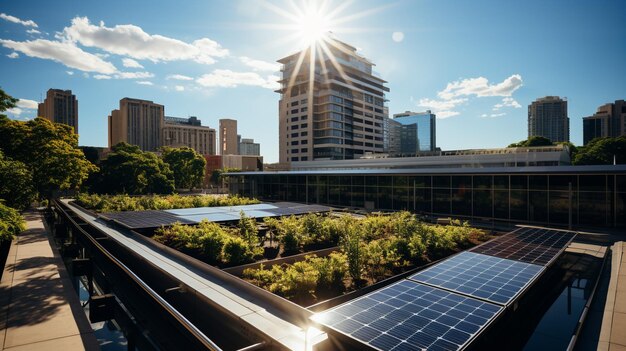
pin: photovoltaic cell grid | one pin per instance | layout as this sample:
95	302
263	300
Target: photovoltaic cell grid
486	277
154	219
531	245
411	316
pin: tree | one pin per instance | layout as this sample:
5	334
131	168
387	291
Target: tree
129	170
533	142
11	223
16	183
188	166
49	150
6	101
602	151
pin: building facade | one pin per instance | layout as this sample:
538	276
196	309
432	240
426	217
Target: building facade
608	121
60	106
228	137
188	132
547	117
331	104
137	122
249	147
417	132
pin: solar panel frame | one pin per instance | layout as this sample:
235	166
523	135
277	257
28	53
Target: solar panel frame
489	278
410	316
534	245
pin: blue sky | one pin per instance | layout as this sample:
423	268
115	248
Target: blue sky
477	64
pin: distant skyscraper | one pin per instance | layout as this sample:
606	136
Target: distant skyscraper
392	135
249	147
60	106
418	131
608	121
228	137
331	105
188	132
547	117
137	122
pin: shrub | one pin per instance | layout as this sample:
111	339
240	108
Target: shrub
11	223
289	233
351	244
237	251
248	229
331	270
115	203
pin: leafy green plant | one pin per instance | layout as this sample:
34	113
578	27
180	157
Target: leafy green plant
115	203
236	251
11	223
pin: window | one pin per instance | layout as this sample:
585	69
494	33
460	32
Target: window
304	109
303	101
304	149
294	119
304	142
294	111
295	142
294	159
304	125
295	126
294	135
304	158
304	133
295	103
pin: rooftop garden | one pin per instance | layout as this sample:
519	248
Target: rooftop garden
116	203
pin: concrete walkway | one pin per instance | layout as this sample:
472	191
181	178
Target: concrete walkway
39	309
613	332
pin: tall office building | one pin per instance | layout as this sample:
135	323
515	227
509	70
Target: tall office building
249	148
392	132
60	106
547	117
178	132
418	131
331	105
608	121
228	137
137	122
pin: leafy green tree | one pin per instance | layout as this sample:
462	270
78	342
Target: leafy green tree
49	150
129	170
188	166
16	183
602	151
6	101
11	223
532	142
248	229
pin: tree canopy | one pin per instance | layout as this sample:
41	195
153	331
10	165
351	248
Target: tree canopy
6	101
129	170
187	165
602	151
532	142
16	183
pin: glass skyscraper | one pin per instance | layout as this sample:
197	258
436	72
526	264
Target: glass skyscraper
417	131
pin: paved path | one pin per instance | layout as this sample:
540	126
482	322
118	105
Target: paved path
613	332
39	309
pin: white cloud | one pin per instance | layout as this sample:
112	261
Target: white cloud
13	55
447	114
33	31
101	76
71	73
493	115
442	108
397	36
480	87
130	40
179	88
225	78
144	82
507	102
259	65
85	74
128	62
64	52
27	104
133	75
14	19
178	77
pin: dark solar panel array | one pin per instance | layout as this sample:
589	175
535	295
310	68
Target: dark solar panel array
411	316
531	245
485	277
155	219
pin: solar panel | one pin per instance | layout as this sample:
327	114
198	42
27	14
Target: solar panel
194	211
144	219
411	316
213	217
532	245
485	277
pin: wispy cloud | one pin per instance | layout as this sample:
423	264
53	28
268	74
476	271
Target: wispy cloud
132	41
507	102
25	109
33	31
144	82
27	104
13	55
28	23
130	63
71	73
259	65
493	115
179	88
101	77
178	77
64	52
224	78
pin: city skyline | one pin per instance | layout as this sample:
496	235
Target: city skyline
225	54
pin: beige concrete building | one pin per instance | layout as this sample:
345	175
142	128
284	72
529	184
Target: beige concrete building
188	132
229	143
249	147
242	162
608	121
547	117
60	106
137	122
332	106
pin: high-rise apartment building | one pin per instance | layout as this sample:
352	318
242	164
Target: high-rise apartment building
331	104
547	117
229	143
178	132
608	121
60	106
249	148
137	122
418	131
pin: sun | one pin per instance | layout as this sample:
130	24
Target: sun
313	25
